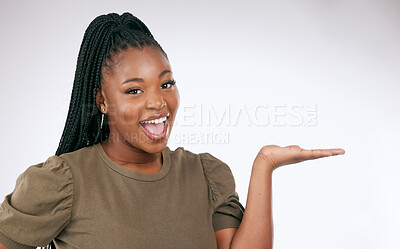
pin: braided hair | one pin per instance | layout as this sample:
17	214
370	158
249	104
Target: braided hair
106	36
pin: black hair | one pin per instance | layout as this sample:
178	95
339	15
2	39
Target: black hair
106	36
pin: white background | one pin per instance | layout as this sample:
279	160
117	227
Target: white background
340	57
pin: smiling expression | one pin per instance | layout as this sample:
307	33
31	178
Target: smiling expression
138	85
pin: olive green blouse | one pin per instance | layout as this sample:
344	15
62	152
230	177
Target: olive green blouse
83	199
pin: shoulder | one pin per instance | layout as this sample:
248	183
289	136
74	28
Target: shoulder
43	184
40	205
183	154
82	154
217	173
83	161
215	169
208	161
184	159
54	170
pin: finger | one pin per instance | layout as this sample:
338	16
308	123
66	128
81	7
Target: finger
337	151
318	153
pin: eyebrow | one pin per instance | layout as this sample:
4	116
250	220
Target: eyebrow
141	80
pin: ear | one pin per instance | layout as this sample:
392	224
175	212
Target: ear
100	100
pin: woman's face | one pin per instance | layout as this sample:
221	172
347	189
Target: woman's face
138	86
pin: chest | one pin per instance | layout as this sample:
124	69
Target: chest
117	212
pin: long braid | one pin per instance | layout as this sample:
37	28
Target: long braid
105	36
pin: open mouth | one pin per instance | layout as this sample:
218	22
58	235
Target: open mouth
155	129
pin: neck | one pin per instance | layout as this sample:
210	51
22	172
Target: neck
128	156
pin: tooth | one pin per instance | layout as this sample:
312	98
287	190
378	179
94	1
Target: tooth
157	121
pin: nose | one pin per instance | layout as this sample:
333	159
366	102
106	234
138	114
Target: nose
155	101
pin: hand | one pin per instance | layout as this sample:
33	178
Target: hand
276	156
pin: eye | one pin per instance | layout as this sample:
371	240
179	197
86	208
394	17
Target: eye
171	83
132	91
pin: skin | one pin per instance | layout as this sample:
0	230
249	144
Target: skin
139	153
256	228
128	145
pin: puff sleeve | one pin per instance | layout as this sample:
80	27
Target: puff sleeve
39	207
228	211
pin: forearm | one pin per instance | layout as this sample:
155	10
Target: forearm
256	228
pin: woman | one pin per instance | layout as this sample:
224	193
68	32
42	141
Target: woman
114	183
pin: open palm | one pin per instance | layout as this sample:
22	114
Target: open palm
277	156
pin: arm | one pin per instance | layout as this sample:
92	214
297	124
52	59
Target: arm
2	247
224	237
256	228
